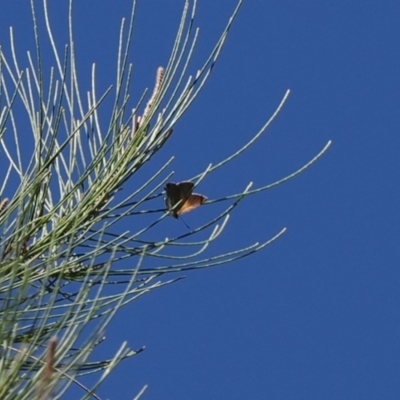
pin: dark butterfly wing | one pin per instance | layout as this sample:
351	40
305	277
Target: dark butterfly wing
177	193
193	201
173	195
186	189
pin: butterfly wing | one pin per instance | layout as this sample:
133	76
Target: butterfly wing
186	189
173	197
192	202
173	194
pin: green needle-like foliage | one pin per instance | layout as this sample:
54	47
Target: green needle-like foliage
61	248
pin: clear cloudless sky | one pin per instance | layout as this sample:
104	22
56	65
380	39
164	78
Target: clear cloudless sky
316	315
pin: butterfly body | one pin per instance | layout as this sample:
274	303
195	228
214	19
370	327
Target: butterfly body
182	193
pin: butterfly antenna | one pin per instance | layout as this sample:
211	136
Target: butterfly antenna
187	226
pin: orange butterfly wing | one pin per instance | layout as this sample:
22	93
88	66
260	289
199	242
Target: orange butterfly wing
194	201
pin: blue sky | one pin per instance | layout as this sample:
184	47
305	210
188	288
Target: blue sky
316	314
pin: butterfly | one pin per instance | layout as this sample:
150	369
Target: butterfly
182	193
